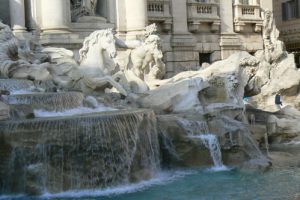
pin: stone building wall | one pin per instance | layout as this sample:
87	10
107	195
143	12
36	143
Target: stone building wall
288	23
193	32
4	12
289	28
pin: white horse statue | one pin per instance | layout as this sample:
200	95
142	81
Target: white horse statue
96	65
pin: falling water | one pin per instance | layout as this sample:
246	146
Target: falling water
194	127
200	130
211	142
82	152
245	141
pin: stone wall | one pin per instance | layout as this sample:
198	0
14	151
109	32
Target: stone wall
289	29
4	11
192	32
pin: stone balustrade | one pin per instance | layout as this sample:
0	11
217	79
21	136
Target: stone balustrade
156	8
247	14
203	12
159	13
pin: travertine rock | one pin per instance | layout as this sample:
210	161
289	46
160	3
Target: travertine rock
4	111
219	85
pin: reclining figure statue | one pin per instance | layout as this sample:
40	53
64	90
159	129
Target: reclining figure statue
21	59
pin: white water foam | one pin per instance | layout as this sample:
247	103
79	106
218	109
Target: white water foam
293	143
29	90
15	92
221	168
12	197
161	179
71	112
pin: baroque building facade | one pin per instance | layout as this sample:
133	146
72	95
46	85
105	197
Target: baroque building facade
287	16
193	32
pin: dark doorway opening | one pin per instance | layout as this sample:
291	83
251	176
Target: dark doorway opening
204	58
297	59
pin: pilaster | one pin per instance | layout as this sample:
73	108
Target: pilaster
132	18
56	16
229	41
181	37
17	15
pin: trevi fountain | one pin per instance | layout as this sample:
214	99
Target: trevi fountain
108	126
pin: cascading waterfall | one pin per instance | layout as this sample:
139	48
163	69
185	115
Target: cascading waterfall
194	128
71	153
247	143
200	130
211	142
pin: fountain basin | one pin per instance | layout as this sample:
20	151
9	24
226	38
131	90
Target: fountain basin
78	152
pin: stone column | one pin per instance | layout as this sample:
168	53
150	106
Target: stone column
226	15
33	14
179	11
136	17
56	16
229	43
17	15
111	11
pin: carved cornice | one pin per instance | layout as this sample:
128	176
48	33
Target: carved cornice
159	12
203	12
247	14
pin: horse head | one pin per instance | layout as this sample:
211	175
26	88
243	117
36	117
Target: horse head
103	40
108	43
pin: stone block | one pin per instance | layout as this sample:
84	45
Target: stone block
180	56
4	111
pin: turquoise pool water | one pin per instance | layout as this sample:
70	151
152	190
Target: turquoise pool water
276	184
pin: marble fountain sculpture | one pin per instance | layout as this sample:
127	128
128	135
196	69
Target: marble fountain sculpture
185	121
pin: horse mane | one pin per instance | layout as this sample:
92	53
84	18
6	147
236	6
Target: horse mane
91	40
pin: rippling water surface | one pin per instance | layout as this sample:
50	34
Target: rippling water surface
279	184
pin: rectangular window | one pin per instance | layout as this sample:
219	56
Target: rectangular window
290	10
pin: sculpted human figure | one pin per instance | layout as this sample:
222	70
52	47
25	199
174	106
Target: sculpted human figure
274	48
146	56
143	61
267	24
146	59
18	60
83	8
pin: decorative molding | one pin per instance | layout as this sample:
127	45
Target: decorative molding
247	14
159	12
203	12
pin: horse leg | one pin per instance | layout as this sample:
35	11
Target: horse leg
120	78
100	82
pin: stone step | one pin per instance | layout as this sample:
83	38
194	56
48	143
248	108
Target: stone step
16	85
47	101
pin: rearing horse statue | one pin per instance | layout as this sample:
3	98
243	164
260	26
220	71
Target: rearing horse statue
96	66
